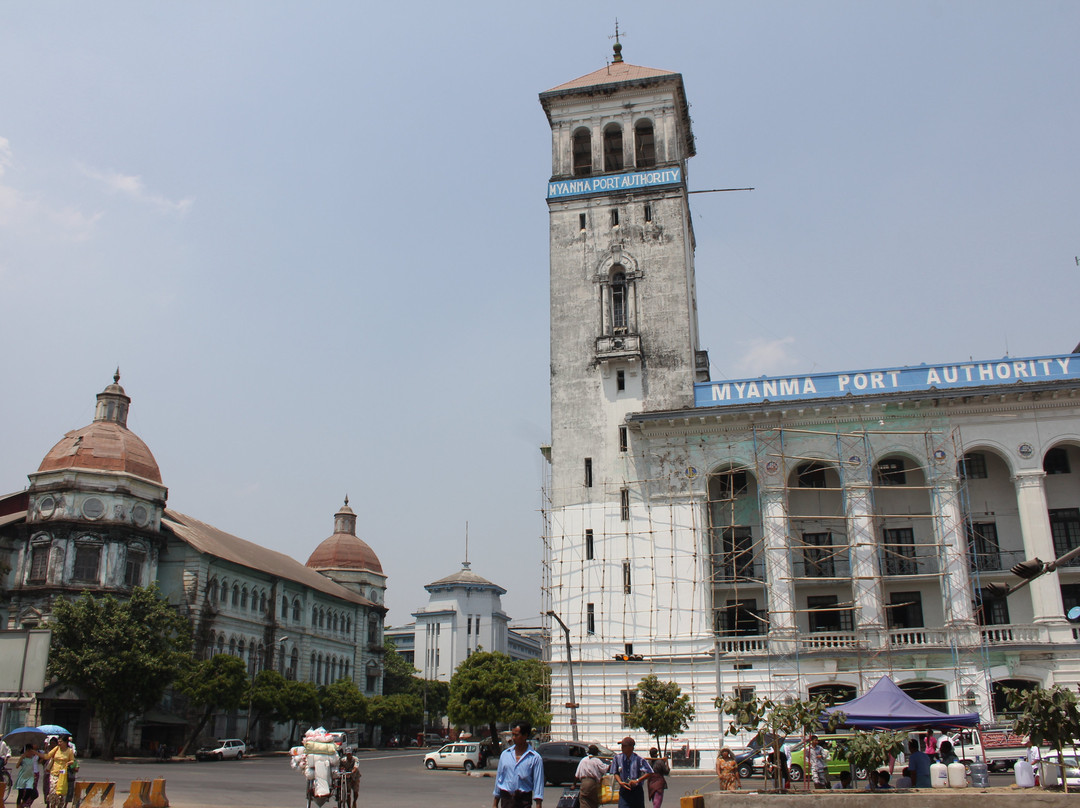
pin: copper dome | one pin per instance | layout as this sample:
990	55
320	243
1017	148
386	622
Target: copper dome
103	446
343	551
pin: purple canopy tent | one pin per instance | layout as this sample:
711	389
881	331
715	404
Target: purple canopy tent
886	706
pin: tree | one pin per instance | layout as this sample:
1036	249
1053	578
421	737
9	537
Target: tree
299	702
120	654
661	709
1050	716
490	687
398	674
868	750
266	697
395	712
343	700
218	683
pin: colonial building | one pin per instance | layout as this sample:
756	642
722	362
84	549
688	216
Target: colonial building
463	614
773	536
94	519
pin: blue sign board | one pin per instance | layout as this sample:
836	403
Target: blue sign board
607	183
887	380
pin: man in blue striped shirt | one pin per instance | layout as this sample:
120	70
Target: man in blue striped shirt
520	778
630	772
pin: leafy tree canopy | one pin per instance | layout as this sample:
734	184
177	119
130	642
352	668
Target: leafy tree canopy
396	711
490	687
1050	716
120	654
398	674
343	700
218	683
300	703
661	709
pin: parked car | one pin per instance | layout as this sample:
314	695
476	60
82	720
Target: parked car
464	755
227	748
433	739
835	762
561	759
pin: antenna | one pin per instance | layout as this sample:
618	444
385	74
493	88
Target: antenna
618	45
466	562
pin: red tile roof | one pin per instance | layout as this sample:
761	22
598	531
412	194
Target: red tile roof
612	74
103	446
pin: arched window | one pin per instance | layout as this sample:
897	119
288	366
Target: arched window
582	150
232	647
235	595
224	591
284	607
314	617
240	648
262	602
613	157
296	610
345	671
313	672
221	644
210	645
243	598
618	301
373	629
294	663
644	145
260	658
348	625
212	590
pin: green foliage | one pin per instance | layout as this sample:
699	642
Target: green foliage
398	674
218	683
267	695
396	712
344	701
120	654
868	750
661	709
1051	716
300	703
490	687
772	720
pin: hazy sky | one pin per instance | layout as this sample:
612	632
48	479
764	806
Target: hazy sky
313	235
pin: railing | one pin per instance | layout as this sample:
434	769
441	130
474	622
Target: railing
824	568
995	560
737	566
997	635
918	638
845	639
743	645
895	564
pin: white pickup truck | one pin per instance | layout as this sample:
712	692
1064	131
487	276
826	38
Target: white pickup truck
1003	747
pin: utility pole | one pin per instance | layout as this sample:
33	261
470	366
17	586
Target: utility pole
572	704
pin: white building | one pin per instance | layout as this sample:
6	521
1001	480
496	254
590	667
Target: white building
784	537
463	614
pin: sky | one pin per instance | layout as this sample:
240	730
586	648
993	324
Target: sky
313	236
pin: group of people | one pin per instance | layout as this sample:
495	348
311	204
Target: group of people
58	763
519	781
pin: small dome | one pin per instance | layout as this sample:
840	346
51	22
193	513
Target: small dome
344	550
103	446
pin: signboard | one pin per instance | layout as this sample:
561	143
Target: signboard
23	655
919	378
611	183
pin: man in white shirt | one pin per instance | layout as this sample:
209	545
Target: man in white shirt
590	772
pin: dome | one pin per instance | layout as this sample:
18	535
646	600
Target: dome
107	444
344	550
103	446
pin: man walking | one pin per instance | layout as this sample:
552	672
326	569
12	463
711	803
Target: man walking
630	772
519	780
589	772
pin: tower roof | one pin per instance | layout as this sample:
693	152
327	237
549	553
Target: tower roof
344	550
614	73
464	577
106	444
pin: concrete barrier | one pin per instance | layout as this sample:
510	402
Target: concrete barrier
139	796
998	797
157	794
93	795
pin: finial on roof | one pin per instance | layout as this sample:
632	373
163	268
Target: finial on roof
618	45
116	376
346	500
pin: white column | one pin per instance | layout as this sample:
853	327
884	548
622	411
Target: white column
956	574
865	571
1038	543
779	585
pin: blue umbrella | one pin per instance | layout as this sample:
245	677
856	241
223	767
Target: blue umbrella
53	729
18	738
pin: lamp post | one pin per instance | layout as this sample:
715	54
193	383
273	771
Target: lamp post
571	705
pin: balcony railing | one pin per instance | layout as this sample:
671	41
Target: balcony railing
739	566
895	564
918	638
839	639
995	560
821	568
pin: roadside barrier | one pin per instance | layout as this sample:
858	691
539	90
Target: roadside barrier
93	795
157	794
139	796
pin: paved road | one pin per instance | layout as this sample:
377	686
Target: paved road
391	778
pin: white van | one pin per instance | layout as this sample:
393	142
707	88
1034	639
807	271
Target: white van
462	755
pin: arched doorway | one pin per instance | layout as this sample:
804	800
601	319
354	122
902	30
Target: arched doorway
835	694
997	695
931	694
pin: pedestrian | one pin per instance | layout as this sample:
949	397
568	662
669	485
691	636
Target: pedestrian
59	758
657	782
630	772
919	763
351	769
727	770
519	779
26	776
590	772
905	780
946	753
844	783
1034	757
930	744
815	758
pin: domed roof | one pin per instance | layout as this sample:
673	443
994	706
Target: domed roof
106	444
464	578
103	446
344	550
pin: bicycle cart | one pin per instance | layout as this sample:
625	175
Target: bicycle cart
339	791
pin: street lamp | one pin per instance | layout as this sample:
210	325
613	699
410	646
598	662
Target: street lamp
571	705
